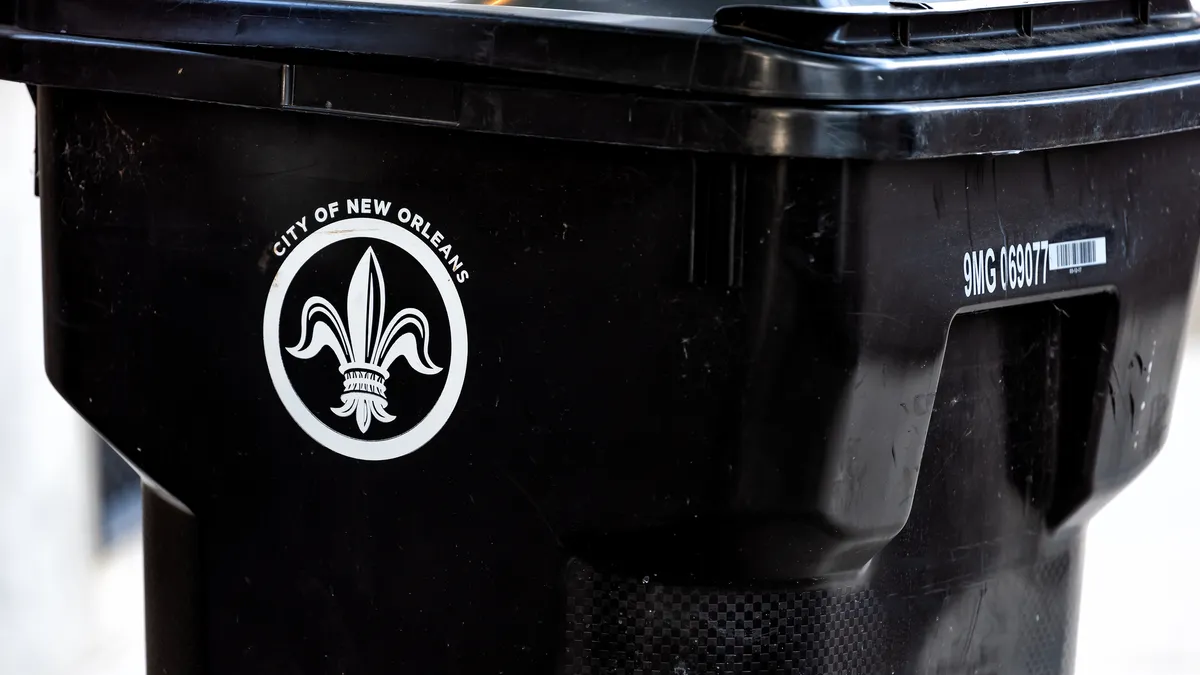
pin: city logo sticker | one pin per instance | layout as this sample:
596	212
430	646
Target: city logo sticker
363	331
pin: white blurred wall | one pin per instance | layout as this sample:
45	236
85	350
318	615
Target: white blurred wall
66	609
1141	574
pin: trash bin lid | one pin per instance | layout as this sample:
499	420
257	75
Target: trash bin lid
816	50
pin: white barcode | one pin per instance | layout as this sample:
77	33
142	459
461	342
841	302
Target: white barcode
1078	253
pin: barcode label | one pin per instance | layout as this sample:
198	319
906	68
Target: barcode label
1079	253
1024	265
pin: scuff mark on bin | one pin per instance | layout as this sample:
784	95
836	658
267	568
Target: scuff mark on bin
536	508
265	258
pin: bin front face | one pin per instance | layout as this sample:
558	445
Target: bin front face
716	413
583	367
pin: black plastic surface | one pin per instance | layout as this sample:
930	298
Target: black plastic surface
750	51
902	28
768	367
722	414
905	130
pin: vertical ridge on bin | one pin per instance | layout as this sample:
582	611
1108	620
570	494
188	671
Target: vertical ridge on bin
693	224
731	224
717	233
285	87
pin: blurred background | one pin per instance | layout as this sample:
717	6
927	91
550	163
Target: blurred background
70	547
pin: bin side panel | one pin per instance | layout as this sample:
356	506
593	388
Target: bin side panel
762	383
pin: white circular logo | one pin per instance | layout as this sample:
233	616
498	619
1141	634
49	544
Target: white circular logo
365	337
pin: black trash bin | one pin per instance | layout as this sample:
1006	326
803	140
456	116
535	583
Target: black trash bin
577	337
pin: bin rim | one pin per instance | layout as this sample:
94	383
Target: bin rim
675	55
872	131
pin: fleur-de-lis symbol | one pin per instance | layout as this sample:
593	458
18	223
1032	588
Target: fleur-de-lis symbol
364	345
